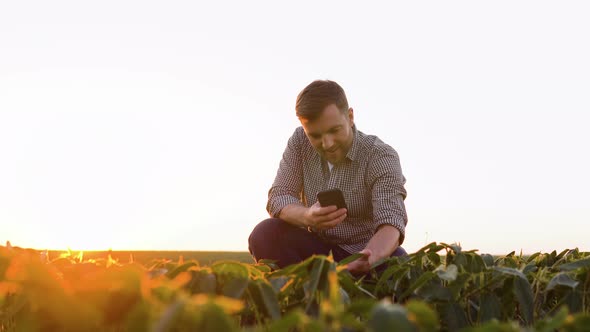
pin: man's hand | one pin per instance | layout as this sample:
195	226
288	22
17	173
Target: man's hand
362	265
320	218
382	245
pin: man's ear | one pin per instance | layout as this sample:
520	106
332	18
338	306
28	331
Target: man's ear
351	116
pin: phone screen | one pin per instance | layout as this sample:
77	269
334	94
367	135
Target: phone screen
332	197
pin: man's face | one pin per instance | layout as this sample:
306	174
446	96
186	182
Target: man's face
331	134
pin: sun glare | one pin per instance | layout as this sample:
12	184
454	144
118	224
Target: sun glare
74	244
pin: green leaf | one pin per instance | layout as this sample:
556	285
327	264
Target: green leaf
488	259
345	298
524	295
509	271
433	292
578	322
459	285
214	319
453	317
489	308
170	315
180	268
561	279
232	277
278	283
352	287
234	287
435	249
202	282
423	279
554	323
582	263
431	247
574	300
258	271
529	268
299	268
269	298
230	269
460	259
139	318
390	317
423	316
455	247
562	254
350	259
388	274
362	307
292	321
270	263
532	257
496	326
477	263
434	258
316	275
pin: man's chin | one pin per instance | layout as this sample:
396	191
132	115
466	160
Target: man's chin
332	160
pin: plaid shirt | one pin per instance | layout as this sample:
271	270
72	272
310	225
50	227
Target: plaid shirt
370	178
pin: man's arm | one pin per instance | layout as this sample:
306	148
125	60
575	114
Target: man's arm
294	214
388	192
389	213
382	245
288	184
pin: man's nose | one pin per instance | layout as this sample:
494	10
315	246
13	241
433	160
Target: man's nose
327	142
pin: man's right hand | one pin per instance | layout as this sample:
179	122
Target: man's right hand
320	218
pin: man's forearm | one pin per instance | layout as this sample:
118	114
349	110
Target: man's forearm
383	243
294	214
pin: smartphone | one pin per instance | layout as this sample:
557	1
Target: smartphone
332	197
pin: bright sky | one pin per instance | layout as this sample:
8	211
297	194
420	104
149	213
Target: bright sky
160	125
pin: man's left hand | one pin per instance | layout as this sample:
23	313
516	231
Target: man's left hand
362	265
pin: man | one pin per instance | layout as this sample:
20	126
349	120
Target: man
328	152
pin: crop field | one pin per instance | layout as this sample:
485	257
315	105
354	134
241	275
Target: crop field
440	287
146	257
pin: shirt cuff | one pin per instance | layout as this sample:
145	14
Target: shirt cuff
276	204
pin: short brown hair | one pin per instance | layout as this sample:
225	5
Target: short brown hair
318	95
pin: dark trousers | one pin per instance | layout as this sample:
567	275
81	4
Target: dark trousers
278	240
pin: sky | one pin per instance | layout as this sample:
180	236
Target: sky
152	125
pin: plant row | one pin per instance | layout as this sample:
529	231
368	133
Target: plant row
439	287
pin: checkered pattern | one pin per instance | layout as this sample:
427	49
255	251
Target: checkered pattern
370	178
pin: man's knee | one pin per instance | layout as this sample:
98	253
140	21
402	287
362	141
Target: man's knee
264	232
399	252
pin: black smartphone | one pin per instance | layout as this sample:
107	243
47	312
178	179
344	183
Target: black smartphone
332	197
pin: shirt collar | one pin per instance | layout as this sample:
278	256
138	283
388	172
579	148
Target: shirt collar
354	149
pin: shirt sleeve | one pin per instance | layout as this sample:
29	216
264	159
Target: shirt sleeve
388	192
288	184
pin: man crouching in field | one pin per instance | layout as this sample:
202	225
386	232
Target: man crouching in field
328	152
